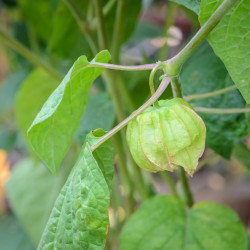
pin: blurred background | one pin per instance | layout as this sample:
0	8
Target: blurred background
40	40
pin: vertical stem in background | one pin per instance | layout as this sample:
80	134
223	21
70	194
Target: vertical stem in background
123	173
185	189
29	55
170	17
108	77
102	37
122	90
82	23
168	179
116	43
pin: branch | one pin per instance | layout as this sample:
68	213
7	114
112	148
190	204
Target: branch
150	101
102	36
123	67
209	94
221	111
33	58
175	63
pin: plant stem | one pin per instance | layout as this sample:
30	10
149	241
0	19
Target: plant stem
170	17
123	67
115	49
175	63
123	173
168	179
151	81
176	87
34	59
106	9
102	37
185	187
209	94
123	91
82	23
221	111
122	124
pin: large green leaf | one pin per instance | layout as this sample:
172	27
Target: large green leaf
164	223
193	5
31	191
79	219
12	236
202	73
66	39
99	113
39	15
52	130
34	91
230	40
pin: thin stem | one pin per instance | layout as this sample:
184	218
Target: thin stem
210	94
151	81
221	111
33	58
102	37
176	88
185	187
82	23
168	179
115	49
123	67
123	173
106	9
175	63
122	124
170	17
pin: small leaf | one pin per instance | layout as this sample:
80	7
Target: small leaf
31	192
193	5
163	223
202	73
104	116
34	91
230	40
52	130
80	219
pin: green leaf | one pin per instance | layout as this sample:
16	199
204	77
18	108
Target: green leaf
31	192
12	236
39	14
193	5
230	40
34	91
52	130
131	10
60	42
164	223
80	219
242	153
202	73
104	116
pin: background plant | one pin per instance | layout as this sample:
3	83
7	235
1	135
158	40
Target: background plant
56	121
